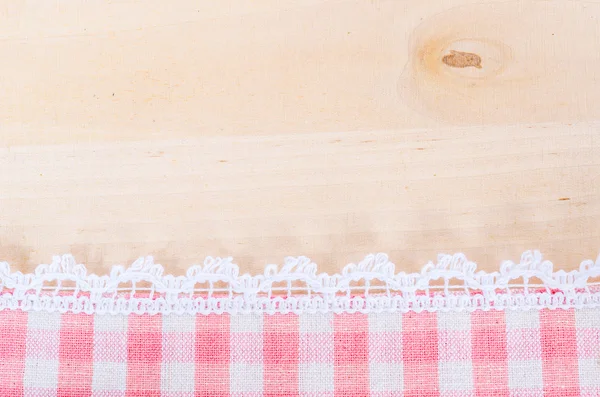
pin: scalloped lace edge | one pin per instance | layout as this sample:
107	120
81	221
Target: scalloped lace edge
453	283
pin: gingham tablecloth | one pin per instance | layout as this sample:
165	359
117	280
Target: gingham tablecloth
361	350
484	353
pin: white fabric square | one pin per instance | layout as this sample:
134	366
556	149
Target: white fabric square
456	375
589	372
315	377
246	377
460	321
525	374
316	322
184	323
386	377
110	323
518	319
109	376
43	320
41	374
246	323
385	322
587	318
177	377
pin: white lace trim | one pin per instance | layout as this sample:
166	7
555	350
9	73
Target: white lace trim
372	285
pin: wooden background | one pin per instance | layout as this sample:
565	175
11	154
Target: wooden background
265	128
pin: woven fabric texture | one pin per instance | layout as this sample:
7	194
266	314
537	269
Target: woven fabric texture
453	354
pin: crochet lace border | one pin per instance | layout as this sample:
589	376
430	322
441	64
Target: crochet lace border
370	286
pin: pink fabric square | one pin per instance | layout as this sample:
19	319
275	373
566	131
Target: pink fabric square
386	394
588	342
43	343
523	344
247	345
13	345
144	356
490	357
76	355
559	353
526	393
105	342
385	347
420	354
590	392
454	345
212	339
212	355
280	354
108	393
316	347
351	344
457	393
176	347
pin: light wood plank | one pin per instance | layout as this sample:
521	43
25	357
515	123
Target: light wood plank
270	128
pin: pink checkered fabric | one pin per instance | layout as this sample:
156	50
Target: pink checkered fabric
449	331
450	354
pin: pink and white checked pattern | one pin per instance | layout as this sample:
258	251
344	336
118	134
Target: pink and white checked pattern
448	331
447	354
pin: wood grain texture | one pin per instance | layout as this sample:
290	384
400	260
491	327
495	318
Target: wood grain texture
260	129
